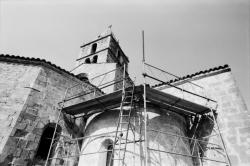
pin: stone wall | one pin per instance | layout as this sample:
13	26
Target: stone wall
29	103
233	116
16	85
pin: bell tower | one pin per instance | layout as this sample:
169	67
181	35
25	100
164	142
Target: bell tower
103	61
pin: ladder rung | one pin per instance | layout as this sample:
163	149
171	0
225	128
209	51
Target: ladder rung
123	122
127	98
124	115
124	104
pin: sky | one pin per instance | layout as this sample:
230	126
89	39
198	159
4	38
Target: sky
181	36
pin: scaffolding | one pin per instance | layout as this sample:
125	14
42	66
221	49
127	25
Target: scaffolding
207	150
127	98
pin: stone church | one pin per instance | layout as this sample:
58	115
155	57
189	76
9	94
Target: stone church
50	116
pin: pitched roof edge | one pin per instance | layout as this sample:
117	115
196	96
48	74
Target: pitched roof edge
197	75
38	62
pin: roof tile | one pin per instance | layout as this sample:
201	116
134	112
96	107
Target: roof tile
200	73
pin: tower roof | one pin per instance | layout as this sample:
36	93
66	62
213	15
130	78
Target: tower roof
106	32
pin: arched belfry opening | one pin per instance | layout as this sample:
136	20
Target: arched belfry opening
45	142
93	48
94	60
87	61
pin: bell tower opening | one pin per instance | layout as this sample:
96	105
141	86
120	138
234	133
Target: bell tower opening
93	48
94	60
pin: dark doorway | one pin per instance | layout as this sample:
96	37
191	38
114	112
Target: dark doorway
45	141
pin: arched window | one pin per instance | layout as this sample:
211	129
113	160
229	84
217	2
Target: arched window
109	156
94	60
105	159
93	48
87	60
45	141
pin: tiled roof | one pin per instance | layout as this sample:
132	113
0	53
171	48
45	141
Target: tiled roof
39	62
32	61
195	75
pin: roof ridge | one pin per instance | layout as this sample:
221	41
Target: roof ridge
194	75
3	56
37	61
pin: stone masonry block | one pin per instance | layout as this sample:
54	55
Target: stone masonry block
21	125
32	145
234	124
32	111
25	154
37	139
18	152
12	141
234	159
29	116
19	162
245	130
31	137
21	143
37	131
20	133
31	127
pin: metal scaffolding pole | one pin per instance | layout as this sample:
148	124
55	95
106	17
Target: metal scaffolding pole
144	102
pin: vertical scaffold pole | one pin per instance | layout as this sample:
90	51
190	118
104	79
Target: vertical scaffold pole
144	102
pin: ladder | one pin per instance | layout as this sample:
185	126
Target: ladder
218	132
123	125
217	152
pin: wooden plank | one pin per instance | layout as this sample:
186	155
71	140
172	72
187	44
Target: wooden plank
162	97
113	100
108	101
